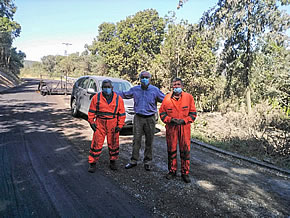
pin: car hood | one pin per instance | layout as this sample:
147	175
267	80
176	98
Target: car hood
128	102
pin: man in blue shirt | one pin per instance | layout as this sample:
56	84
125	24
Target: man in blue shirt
145	98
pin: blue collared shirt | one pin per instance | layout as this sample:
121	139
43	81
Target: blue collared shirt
145	100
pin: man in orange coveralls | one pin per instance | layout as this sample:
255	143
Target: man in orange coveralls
106	117
178	111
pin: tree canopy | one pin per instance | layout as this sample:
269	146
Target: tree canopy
131	44
10	59
241	24
238	50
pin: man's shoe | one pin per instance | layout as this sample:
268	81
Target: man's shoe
92	168
185	178
170	175
113	165
147	167
130	165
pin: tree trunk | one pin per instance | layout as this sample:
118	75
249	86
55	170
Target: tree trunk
248	100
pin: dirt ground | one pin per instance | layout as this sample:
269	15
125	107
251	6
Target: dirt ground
220	186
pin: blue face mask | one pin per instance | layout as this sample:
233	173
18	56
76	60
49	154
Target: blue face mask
177	90
107	91
145	81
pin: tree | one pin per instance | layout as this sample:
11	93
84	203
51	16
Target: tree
180	3
16	61
49	63
129	46
271	77
9	30
67	65
188	54
240	24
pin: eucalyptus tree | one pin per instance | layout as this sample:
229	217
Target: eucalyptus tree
67	65
131	44
9	30
189	54
49	63
16	61
239	24
272	75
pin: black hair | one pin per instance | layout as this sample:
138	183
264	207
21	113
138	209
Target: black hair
176	79
107	81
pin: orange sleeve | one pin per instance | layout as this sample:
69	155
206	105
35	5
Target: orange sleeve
192	111
121	113
163	112
92	110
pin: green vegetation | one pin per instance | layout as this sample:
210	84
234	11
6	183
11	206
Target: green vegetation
10	60
235	63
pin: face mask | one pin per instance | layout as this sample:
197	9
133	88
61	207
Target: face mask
177	90
145	81
107	91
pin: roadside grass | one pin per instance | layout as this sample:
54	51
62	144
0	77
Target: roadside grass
249	147
229	133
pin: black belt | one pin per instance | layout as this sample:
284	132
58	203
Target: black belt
145	116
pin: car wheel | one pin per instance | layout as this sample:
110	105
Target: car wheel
74	108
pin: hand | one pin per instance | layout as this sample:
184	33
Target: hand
174	121
117	129
93	126
181	122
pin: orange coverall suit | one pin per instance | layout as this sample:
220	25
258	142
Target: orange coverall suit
183	108
106	117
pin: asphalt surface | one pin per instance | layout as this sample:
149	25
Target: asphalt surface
42	174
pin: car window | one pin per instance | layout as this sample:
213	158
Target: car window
79	81
92	85
121	86
84	83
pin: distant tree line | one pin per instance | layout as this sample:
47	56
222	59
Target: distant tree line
10	60
238	53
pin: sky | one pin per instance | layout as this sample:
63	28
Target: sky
47	26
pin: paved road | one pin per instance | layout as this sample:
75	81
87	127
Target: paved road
42	175
43	162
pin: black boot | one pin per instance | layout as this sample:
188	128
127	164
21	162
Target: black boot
186	178
113	165
92	168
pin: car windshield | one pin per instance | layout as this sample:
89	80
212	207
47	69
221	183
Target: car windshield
119	86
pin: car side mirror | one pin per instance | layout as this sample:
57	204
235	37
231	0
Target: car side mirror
91	91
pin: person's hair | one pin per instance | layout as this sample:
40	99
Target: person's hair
176	79
145	72
107	81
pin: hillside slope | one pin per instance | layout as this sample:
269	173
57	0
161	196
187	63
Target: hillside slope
7	81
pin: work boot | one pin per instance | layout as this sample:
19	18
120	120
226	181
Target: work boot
130	165
92	168
170	175
113	165
147	167
185	178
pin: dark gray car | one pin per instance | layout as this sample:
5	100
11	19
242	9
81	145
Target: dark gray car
86	87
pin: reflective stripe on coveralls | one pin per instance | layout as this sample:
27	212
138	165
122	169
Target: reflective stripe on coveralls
106	117
184	109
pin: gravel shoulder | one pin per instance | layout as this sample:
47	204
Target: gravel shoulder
221	186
